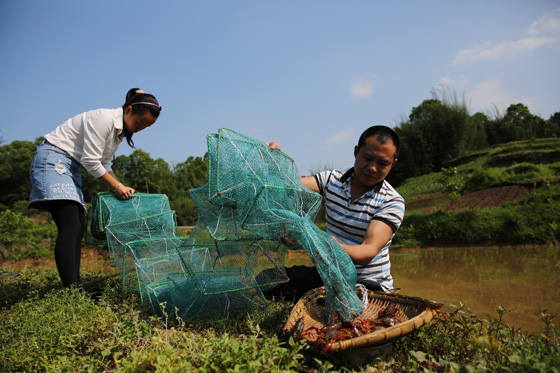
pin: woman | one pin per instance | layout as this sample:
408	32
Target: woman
90	140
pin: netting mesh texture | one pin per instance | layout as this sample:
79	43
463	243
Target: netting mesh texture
252	210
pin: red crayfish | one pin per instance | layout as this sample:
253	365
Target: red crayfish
337	331
387	316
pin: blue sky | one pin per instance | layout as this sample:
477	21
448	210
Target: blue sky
311	75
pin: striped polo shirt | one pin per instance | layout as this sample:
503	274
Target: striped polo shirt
348	221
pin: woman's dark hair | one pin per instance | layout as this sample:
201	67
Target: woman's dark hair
384	134
140	102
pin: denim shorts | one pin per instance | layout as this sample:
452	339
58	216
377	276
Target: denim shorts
54	175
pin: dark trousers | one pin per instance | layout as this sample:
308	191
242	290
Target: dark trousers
303	279
69	217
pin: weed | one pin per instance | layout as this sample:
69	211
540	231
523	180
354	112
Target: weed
51	329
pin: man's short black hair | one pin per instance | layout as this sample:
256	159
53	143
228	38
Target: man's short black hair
384	134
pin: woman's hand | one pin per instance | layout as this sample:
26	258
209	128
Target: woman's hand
123	192
274	145
120	191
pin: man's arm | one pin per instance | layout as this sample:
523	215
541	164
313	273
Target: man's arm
310	182
377	236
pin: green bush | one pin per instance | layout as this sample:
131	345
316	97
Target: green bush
481	178
526	171
421	185
451	180
523	168
21	238
63	330
459	341
511	157
14	228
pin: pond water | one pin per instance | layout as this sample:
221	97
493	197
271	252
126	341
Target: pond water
524	280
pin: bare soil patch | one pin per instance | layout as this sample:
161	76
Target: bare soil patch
481	198
94	259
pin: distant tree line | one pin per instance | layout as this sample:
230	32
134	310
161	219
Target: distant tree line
436	132
441	129
138	170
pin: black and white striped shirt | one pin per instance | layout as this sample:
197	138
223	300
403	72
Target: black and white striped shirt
348	221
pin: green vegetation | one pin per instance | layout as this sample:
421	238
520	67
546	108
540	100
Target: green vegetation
21	238
441	130
534	220
47	329
137	170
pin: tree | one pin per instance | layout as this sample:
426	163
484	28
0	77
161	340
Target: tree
190	174
435	132
475	135
517	124
15	160
551	127
525	124
91	186
143	173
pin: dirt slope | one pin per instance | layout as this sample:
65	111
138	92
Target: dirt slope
481	198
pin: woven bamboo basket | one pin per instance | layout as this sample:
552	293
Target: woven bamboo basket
413	312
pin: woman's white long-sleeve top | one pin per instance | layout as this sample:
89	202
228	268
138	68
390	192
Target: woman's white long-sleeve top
92	138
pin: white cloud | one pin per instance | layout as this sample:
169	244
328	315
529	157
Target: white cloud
337	139
545	30
490	51
491	94
458	84
549	24
257	130
362	88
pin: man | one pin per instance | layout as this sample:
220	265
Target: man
363	212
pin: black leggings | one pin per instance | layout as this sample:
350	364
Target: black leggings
69	217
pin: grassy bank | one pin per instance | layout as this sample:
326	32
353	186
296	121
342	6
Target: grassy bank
440	212
45	328
534	220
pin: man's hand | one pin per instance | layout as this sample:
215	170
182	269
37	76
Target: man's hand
274	145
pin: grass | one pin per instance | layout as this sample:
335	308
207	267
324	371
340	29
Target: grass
50	329
529	161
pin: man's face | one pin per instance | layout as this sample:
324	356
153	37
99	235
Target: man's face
373	161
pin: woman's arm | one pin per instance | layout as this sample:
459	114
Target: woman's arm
120	190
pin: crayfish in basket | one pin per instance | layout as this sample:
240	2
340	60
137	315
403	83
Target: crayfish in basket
325	336
387	316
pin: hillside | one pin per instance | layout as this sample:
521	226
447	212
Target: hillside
488	197
492	177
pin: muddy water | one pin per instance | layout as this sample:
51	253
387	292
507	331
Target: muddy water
523	280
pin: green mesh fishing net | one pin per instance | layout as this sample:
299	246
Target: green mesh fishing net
250	213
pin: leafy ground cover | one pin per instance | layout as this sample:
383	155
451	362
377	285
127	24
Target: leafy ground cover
506	194
49	329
